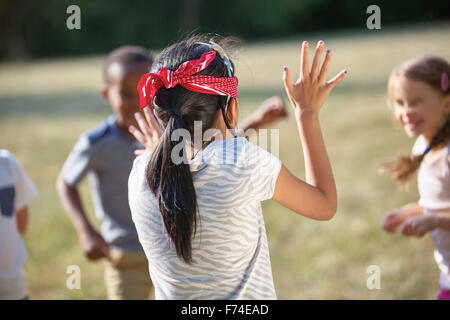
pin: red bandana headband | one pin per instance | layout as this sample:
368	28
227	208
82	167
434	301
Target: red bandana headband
150	83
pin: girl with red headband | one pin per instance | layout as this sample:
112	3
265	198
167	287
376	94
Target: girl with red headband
200	220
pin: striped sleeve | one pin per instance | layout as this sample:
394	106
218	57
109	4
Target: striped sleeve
265	168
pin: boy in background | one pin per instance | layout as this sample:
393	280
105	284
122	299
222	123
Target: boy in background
106	153
16	192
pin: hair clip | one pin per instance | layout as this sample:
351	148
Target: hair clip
214	46
444	81
224	57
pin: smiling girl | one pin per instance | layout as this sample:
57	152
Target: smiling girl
419	92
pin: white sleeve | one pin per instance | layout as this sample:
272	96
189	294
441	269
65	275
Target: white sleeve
419	146
265	168
25	189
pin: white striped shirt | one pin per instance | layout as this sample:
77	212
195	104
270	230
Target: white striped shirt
229	250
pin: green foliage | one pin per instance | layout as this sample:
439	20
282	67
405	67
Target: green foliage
38	28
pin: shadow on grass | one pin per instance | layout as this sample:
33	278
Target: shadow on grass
91	103
54	105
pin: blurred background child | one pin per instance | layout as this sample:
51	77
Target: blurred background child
16	193
106	153
420	94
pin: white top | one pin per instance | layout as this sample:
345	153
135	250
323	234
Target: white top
230	251
434	189
16	192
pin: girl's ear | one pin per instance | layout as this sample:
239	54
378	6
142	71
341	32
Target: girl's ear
105	94
233	112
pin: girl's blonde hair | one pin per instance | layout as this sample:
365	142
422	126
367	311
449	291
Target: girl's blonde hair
431	70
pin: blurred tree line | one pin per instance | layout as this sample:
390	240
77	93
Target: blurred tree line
31	28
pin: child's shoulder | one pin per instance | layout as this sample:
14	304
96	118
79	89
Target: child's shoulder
137	180
7	158
244	153
254	151
9	162
5	154
101	131
140	162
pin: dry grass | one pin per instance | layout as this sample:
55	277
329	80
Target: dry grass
45	105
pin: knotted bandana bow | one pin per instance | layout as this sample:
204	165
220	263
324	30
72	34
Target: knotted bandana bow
150	83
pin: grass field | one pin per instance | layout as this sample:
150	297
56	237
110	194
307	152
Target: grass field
45	105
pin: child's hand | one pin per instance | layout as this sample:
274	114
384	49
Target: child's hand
149	132
93	245
310	91
270	111
418	226
394	219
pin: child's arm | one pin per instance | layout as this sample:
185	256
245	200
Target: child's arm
317	197
441	220
270	111
419	225
22	220
25	191
394	219
92	243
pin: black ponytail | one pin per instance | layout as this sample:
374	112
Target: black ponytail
172	183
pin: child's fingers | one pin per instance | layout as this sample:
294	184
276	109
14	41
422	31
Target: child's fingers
304	73
316	60
152	120
325	66
408	229
389	224
138	135
287	79
405	230
336	79
143	125
288	84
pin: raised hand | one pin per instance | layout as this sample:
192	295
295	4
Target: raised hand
311	89
149	132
